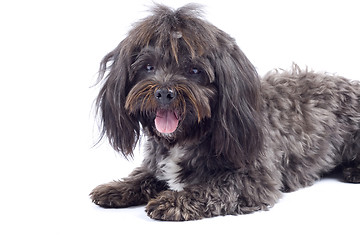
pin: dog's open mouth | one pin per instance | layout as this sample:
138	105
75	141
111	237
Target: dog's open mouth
166	121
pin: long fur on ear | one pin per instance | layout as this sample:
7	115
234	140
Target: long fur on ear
237	132
121	129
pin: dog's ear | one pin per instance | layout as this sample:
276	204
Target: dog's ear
121	129
237	125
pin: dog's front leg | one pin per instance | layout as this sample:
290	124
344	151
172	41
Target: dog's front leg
220	196
134	190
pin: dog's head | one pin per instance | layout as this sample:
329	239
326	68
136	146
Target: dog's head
183	81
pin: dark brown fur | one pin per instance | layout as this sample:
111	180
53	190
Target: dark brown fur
240	141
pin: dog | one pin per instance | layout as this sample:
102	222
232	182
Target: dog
220	140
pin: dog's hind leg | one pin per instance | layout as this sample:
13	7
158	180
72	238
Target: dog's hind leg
351	159
351	172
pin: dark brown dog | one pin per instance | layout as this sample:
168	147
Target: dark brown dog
219	140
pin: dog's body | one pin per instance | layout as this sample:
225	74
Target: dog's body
219	140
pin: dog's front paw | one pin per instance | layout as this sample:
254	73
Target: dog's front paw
174	206
115	195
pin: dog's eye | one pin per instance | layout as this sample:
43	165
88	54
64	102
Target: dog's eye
149	68
194	70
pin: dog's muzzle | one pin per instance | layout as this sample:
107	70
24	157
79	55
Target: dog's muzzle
167	119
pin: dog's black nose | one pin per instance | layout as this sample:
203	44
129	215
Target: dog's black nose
164	95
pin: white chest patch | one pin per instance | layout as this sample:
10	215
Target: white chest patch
169	168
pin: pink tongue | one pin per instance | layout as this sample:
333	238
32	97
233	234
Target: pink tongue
166	121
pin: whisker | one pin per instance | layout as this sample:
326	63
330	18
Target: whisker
192	99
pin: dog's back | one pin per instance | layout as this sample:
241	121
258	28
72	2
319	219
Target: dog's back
313	123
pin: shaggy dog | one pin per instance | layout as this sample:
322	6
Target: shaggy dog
219	140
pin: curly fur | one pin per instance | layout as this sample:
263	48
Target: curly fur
239	141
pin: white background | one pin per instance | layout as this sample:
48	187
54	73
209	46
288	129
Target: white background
49	57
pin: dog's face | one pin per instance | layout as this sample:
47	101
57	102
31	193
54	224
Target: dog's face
182	80
171	96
